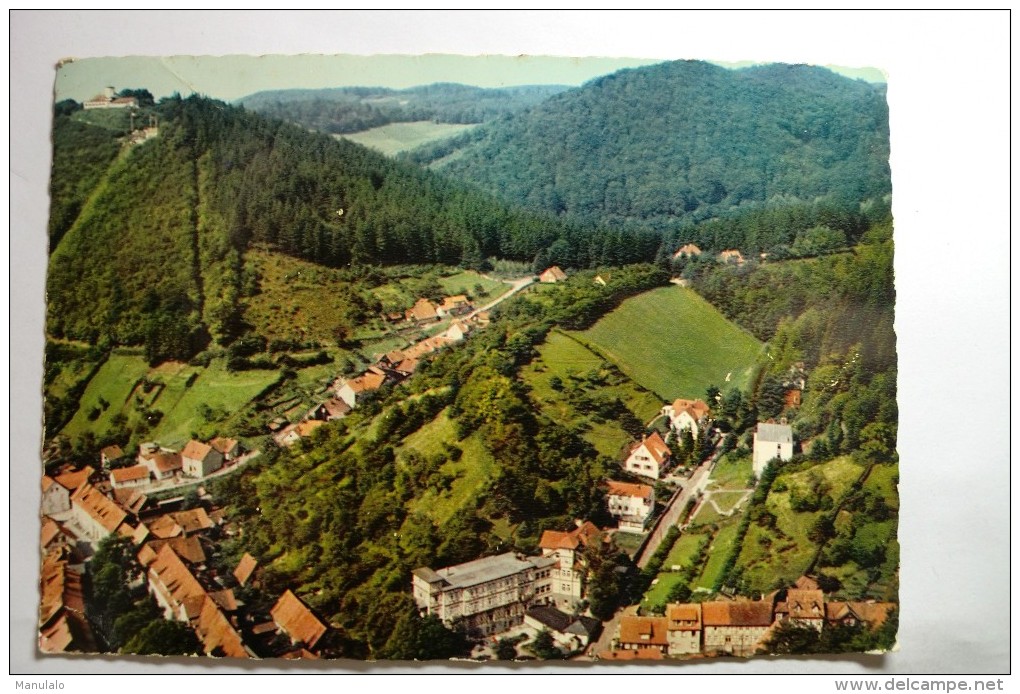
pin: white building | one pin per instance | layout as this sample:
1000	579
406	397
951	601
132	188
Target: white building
568	573
631	504
687	414
199	459
488	595
771	441
648	458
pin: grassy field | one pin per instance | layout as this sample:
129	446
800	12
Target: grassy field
213	396
731	473
465	283
394	138
718	552
584	376
684	550
674	343
113	383
471	472
768	556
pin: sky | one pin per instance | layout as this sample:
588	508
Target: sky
232	77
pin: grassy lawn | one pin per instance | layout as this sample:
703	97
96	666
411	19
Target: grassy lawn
731	473
684	550
659	593
727	501
718	552
882	479
393	138
768	557
464	283
223	392
563	358
113	383
683	345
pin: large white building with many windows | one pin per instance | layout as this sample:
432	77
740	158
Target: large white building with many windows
486	596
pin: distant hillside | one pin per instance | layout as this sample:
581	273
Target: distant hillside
354	109
680	142
149	240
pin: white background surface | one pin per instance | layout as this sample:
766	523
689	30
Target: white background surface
949	86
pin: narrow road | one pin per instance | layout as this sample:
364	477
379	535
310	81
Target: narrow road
694	484
515	286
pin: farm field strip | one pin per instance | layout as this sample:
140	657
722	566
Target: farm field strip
674	343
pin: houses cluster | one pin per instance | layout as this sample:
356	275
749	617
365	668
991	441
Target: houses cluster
651	456
389	369
156	465
495	594
738	627
175	548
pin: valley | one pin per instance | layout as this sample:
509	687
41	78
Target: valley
353	384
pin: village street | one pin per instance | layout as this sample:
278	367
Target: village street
692	487
515	286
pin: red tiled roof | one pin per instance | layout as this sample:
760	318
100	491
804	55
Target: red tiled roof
291	615
60	589
167	461
192	520
223	445
741	613
103	510
687	249
73	480
169	575
50	532
130	474
650	631
300	654
245	568
553	273
806	583
217	634
423	309
164	527
615	488
684	617
697	409
367	381
196	450
805	604
112	452
655	446
225	599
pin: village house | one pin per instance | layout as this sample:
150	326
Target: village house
298	622
683	628
643	634
245	568
329	411
130	477
488	596
649	457
218	636
771	441
290	435
63	627
72	479
569	571
131	500
687	251
569	633
109	99
110	456
230	449
423	311
97	515
458	330
552	275
631	504
735	627
354	389
163	463
200	459
687	414
803	606
849	614
55	498
454	306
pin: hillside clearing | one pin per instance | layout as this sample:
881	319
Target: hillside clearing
394	138
674	343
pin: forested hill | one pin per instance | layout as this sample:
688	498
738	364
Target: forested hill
680	142
155	240
353	109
